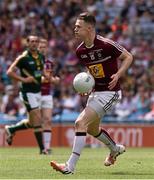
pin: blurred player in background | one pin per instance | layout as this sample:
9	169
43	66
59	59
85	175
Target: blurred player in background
46	95
30	65
100	56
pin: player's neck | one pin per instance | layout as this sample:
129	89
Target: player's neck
34	53
89	41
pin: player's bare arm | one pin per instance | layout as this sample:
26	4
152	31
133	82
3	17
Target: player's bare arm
126	59
55	80
13	74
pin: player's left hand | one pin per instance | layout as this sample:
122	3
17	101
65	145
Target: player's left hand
114	81
84	94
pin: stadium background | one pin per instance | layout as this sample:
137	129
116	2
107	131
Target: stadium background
131	23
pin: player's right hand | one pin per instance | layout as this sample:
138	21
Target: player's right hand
86	94
29	79
83	94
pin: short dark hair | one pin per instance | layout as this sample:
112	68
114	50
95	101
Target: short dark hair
28	38
88	18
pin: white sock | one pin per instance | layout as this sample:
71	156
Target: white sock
104	137
78	145
47	135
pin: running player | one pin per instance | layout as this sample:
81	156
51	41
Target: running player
30	64
100	56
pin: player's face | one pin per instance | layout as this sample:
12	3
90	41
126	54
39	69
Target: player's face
42	47
81	29
33	43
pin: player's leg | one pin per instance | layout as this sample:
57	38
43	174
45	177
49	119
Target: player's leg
35	120
34	116
87	116
23	124
101	103
104	137
32	102
47	131
101	135
46	113
10	130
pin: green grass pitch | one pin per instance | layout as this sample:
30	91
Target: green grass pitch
26	163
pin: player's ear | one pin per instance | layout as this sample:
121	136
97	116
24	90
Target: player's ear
89	27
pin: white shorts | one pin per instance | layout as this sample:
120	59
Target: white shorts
31	100
46	101
103	101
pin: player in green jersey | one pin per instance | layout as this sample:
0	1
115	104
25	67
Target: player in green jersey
30	65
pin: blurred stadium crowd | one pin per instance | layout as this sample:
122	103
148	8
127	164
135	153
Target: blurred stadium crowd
131	23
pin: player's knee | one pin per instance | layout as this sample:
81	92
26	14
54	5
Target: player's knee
80	126
35	118
35	122
47	122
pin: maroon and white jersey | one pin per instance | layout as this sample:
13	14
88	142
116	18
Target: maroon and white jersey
101	61
46	86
